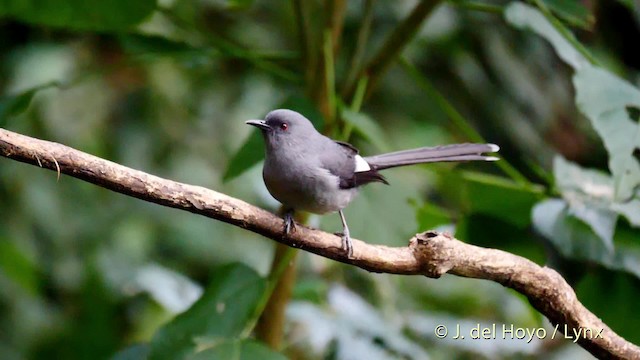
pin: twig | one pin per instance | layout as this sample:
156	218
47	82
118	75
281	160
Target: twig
393	46
358	55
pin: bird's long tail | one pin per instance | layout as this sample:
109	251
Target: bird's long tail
457	152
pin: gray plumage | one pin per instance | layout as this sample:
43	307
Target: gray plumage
455	152
308	171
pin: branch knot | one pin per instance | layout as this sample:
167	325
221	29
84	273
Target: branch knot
431	251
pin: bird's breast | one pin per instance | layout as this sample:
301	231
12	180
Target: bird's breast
306	187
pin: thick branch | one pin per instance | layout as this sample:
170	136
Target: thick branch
428	254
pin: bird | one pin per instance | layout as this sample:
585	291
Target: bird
307	171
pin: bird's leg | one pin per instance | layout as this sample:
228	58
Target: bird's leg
289	222
346	238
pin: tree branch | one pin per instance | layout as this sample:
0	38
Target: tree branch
428	254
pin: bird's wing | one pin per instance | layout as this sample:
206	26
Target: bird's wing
348	146
350	168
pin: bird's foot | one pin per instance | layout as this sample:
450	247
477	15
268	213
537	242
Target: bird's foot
347	245
289	223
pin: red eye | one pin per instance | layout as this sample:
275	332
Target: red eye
284	126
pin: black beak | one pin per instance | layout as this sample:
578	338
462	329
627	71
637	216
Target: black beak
261	124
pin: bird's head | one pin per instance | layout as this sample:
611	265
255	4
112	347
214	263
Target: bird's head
284	126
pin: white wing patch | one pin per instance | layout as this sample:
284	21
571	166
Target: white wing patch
361	164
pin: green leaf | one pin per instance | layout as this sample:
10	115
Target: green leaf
310	290
239	4
523	16
590	197
611	104
600	289
249	154
140	45
221	313
501	198
630	210
238	350
573	238
99	15
608	102
576	240
18	267
13	105
135	352
589	194
252	151
473	228
366	127
430	216
629	4
572	11
347	319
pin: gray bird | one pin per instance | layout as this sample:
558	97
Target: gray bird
305	170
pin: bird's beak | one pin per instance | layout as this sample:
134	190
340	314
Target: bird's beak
261	124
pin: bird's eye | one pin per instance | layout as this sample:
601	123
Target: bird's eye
284	126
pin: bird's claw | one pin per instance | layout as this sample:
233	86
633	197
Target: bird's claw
289	223
347	245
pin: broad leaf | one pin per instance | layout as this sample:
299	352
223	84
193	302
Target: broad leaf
600	288
589	194
631	5
608	102
141	45
240	4
572	237
135	352
630	210
249	154
236	350
354	326
527	17
17	267
14	105
572	11
613	107
576	240
221	313
174	291
500	198
430	216
100	15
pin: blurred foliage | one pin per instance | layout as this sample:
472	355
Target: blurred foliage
165	87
